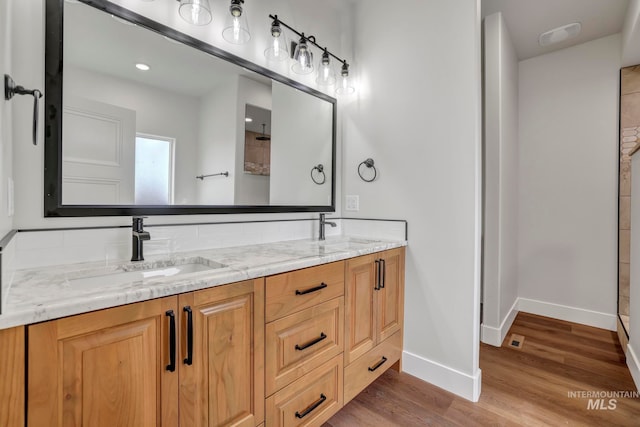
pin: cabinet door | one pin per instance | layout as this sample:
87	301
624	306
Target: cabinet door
12	360
360	280
390	296
224	383
106	368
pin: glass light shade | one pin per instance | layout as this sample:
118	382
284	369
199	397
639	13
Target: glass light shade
236	29
326	75
278	51
303	58
196	12
345	83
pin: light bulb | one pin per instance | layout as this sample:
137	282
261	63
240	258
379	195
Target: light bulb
345	87
326	75
278	50
303	57
236	29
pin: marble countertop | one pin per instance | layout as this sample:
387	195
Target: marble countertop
49	293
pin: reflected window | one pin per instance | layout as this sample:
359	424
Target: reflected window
154	170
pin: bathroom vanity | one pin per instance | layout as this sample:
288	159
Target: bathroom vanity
310	326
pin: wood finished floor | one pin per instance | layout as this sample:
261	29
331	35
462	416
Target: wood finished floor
520	387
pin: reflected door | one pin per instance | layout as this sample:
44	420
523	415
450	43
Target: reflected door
98	153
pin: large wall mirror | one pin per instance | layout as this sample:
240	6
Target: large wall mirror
142	119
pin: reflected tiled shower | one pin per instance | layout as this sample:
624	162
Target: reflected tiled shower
629	140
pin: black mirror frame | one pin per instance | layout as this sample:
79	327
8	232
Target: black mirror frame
53	206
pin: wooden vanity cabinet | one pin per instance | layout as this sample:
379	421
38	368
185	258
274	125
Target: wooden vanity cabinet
223	383
374	302
117	366
12	376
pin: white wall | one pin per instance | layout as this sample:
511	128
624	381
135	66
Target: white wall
300	141
217	143
567	215
500	287
251	190
418	116
158	112
324	20
6	107
631	35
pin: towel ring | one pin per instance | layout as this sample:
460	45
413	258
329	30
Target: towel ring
320	169
369	163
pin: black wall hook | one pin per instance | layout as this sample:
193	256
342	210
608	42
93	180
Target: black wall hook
11	89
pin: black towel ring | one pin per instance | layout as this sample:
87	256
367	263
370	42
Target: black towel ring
320	169
369	163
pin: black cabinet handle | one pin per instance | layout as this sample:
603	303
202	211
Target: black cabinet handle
311	407
171	367
376	285
308	291
377	365
189	358
383	274
312	342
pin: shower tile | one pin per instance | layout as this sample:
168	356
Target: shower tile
624	279
630	80
625	213
625	245
625	178
630	110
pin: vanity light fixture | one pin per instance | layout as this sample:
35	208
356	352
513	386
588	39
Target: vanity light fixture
345	87
236	28
278	50
142	67
248	119
326	75
196	12
303	57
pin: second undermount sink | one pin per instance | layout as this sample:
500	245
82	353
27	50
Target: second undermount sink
146	270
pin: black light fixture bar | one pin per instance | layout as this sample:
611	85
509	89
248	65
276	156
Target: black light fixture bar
310	39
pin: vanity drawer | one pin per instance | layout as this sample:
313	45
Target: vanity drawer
309	401
302	341
364	370
291	292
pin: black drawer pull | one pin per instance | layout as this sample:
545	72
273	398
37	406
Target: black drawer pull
376	285
383	275
311	407
171	367
189	358
310	343
377	365
308	291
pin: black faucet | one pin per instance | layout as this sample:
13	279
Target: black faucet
138	235
322	224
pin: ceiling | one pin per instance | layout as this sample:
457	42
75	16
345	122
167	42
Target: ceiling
526	19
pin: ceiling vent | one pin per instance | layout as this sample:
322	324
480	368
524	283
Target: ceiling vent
559	34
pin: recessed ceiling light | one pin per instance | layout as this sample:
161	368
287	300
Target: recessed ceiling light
142	67
559	34
248	119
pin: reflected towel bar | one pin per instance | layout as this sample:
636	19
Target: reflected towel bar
202	177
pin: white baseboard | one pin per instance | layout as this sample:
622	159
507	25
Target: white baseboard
464	385
570	314
495	336
634	365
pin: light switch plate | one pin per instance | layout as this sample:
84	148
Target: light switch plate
353	203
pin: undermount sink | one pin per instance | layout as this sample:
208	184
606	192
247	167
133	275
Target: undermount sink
147	270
